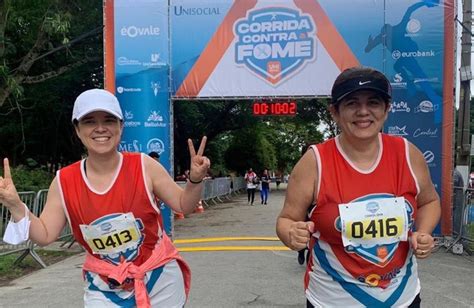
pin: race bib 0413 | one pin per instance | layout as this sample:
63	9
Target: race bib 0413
112	236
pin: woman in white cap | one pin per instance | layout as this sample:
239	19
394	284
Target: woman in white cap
108	200
369	200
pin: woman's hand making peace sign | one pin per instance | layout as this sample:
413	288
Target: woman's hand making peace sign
199	164
8	195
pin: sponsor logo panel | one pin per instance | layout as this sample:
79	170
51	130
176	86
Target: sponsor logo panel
129	121
397	54
398	130
426	106
400	106
180	10
429	157
425	132
155	120
398	82
122	90
155	145
134	31
274	43
130	146
413	28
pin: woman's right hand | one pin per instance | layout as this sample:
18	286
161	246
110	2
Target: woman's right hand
300	233
8	195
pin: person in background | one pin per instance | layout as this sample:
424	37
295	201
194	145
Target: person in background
108	199
458	199
155	156
265	186
374	204
278	178
252	181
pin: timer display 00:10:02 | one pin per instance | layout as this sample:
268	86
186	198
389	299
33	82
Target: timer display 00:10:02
281	109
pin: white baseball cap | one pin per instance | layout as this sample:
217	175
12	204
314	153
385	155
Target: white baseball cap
96	100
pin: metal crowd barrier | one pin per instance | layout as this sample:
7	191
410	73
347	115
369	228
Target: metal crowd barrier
215	190
30	198
66	234
463	221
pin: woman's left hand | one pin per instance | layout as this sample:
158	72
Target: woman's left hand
422	244
199	164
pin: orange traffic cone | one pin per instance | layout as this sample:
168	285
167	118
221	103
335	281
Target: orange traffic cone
199	208
178	215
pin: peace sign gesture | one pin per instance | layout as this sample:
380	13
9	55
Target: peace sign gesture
8	194
199	163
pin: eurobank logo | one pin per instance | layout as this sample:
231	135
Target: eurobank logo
273	43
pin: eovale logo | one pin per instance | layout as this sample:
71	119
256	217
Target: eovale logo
133	31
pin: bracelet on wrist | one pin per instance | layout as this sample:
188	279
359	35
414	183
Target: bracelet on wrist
194	182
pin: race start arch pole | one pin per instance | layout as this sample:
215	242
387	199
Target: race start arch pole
137	68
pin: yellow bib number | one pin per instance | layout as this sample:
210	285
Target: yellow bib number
114	240
374	228
377	221
112	236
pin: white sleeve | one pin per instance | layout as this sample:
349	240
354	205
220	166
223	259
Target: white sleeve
18	232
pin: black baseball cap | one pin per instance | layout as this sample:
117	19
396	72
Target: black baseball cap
360	78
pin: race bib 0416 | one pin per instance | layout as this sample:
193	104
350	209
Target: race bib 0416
374	222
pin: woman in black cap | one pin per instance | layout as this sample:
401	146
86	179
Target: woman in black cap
374	205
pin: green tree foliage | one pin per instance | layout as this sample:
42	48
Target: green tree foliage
29	177
250	148
215	119
50	51
292	135
238	140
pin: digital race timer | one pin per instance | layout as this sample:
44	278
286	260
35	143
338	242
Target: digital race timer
272	108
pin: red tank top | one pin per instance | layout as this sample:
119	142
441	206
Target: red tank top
127	193
341	182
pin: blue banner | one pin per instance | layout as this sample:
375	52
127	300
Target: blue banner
141	80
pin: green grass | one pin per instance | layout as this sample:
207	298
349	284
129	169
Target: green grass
10	271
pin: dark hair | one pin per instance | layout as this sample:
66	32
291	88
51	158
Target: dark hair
360	78
154	155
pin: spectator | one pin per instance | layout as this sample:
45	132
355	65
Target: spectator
155	156
265	186
252	182
278	178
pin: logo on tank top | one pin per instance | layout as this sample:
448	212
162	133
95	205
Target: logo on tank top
373	238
